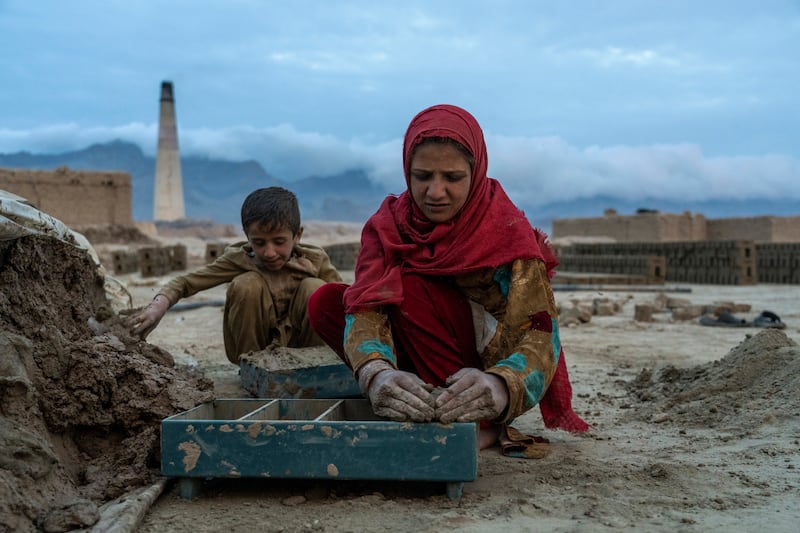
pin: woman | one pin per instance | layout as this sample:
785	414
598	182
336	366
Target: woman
452	290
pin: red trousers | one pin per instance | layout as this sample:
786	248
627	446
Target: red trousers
434	337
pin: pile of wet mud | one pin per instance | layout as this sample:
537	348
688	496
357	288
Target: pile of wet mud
81	401
756	383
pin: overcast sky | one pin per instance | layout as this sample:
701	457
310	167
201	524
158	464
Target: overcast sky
665	99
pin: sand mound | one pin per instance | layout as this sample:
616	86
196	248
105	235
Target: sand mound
80	400
756	383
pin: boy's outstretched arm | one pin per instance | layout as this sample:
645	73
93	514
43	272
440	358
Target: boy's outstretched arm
146	320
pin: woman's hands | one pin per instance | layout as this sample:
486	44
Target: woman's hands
471	395
396	394
146	320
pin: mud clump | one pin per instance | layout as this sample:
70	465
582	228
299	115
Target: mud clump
81	401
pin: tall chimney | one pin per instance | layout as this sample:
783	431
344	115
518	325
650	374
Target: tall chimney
169	187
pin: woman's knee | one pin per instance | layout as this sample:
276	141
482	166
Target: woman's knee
326	299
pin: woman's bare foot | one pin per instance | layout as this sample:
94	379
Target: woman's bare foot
488	437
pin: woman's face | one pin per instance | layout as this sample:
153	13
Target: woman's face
439	180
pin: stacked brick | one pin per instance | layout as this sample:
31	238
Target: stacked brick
778	262
712	262
125	261
646	269
214	250
151	260
178	257
343	255
154	261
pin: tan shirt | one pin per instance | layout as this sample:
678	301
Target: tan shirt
307	261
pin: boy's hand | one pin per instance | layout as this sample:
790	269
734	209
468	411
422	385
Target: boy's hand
472	395
146	320
396	394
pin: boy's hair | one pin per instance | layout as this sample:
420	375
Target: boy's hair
274	208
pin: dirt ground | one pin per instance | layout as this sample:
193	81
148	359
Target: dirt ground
695	428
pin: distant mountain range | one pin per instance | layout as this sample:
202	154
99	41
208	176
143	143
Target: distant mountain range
214	189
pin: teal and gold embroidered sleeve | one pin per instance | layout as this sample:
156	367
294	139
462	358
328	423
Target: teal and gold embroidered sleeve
367	337
526	347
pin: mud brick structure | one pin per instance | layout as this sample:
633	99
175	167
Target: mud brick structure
666	227
214	250
178	257
151	260
75	197
778	262
649	269
759	229
642	227
718	262
125	261
154	261
697	250
565	280
343	255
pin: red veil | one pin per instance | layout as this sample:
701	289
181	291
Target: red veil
489	231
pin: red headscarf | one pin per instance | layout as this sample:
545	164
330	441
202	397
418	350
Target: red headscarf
489	231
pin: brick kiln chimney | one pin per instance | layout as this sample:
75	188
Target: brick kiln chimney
169	187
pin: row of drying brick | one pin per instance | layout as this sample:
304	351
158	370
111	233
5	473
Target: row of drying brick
151	261
778	262
724	262
651	269
713	262
161	260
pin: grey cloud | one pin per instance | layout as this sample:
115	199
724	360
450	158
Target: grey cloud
533	170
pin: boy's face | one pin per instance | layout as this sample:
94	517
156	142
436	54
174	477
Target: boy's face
272	249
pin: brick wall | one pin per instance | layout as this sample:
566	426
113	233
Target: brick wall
76	197
642	227
757	229
686	227
714	262
785	229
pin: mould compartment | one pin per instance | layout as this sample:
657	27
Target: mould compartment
314	439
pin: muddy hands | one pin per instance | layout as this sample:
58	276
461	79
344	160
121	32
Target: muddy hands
145	321
471	395
396	394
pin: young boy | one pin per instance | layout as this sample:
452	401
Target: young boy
271	277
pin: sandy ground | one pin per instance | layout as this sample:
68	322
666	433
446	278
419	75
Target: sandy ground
695	428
